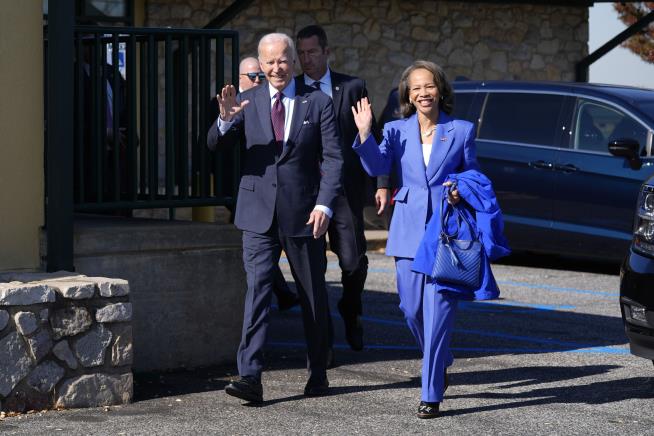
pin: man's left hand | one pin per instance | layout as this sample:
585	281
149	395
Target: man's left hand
320	222
381	200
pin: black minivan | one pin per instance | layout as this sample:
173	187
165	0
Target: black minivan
566	160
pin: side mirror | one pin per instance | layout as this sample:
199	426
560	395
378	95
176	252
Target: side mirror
627	148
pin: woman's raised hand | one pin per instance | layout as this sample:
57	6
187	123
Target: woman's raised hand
363	117
227	103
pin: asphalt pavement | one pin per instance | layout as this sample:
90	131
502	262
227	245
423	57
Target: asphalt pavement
549	357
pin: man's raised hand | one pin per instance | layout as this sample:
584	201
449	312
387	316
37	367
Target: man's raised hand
227	103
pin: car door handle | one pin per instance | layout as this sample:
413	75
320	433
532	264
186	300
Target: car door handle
541	164
567	168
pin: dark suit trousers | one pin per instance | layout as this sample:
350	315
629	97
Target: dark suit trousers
307	258
348	241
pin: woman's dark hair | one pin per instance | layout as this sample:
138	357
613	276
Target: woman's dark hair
446	102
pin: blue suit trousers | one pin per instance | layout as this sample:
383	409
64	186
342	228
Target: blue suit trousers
430	317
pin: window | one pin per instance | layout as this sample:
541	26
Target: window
101	12
521	117
597	124
647	107
462	103
104	8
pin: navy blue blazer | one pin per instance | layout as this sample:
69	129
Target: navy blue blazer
308	171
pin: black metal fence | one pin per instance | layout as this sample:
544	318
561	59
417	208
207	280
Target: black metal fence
142	109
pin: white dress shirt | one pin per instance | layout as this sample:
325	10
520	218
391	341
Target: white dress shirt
288	100
325	83
426	152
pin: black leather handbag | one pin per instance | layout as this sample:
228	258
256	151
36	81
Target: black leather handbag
457	261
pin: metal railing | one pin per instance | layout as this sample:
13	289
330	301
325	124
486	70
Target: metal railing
142	110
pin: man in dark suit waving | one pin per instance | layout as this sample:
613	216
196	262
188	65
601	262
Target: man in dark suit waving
346	229
291	175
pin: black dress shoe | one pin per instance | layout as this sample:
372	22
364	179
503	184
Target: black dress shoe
246	388
353	328
428	410
316	388
285	302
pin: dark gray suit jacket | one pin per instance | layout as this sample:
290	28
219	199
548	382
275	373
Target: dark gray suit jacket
308	171
346	91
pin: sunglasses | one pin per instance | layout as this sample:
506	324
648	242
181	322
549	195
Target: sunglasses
253	76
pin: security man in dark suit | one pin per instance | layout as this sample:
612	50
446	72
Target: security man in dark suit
291	176
346	228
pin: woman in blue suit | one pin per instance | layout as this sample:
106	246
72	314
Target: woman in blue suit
420	150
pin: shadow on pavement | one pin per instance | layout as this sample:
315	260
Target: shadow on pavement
550	261
482	329
490	328
509	378
152	385
590	393
344	390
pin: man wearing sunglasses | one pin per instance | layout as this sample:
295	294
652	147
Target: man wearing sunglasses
249	74
255	78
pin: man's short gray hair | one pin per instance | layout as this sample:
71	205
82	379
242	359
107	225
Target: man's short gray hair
246	61
277	37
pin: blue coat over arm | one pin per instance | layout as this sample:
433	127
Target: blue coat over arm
479	206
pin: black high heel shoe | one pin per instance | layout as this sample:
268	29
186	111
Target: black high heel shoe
428	410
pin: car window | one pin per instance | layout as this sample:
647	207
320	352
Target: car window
596	124
521	117
647	107
462	102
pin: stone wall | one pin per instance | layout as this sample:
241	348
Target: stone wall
187	285
376	40
65	341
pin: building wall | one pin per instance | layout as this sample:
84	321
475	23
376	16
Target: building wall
21	125
377	39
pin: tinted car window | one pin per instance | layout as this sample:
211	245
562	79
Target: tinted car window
597	124
462	102
647	107
521	117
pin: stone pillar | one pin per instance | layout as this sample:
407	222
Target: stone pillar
65	341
